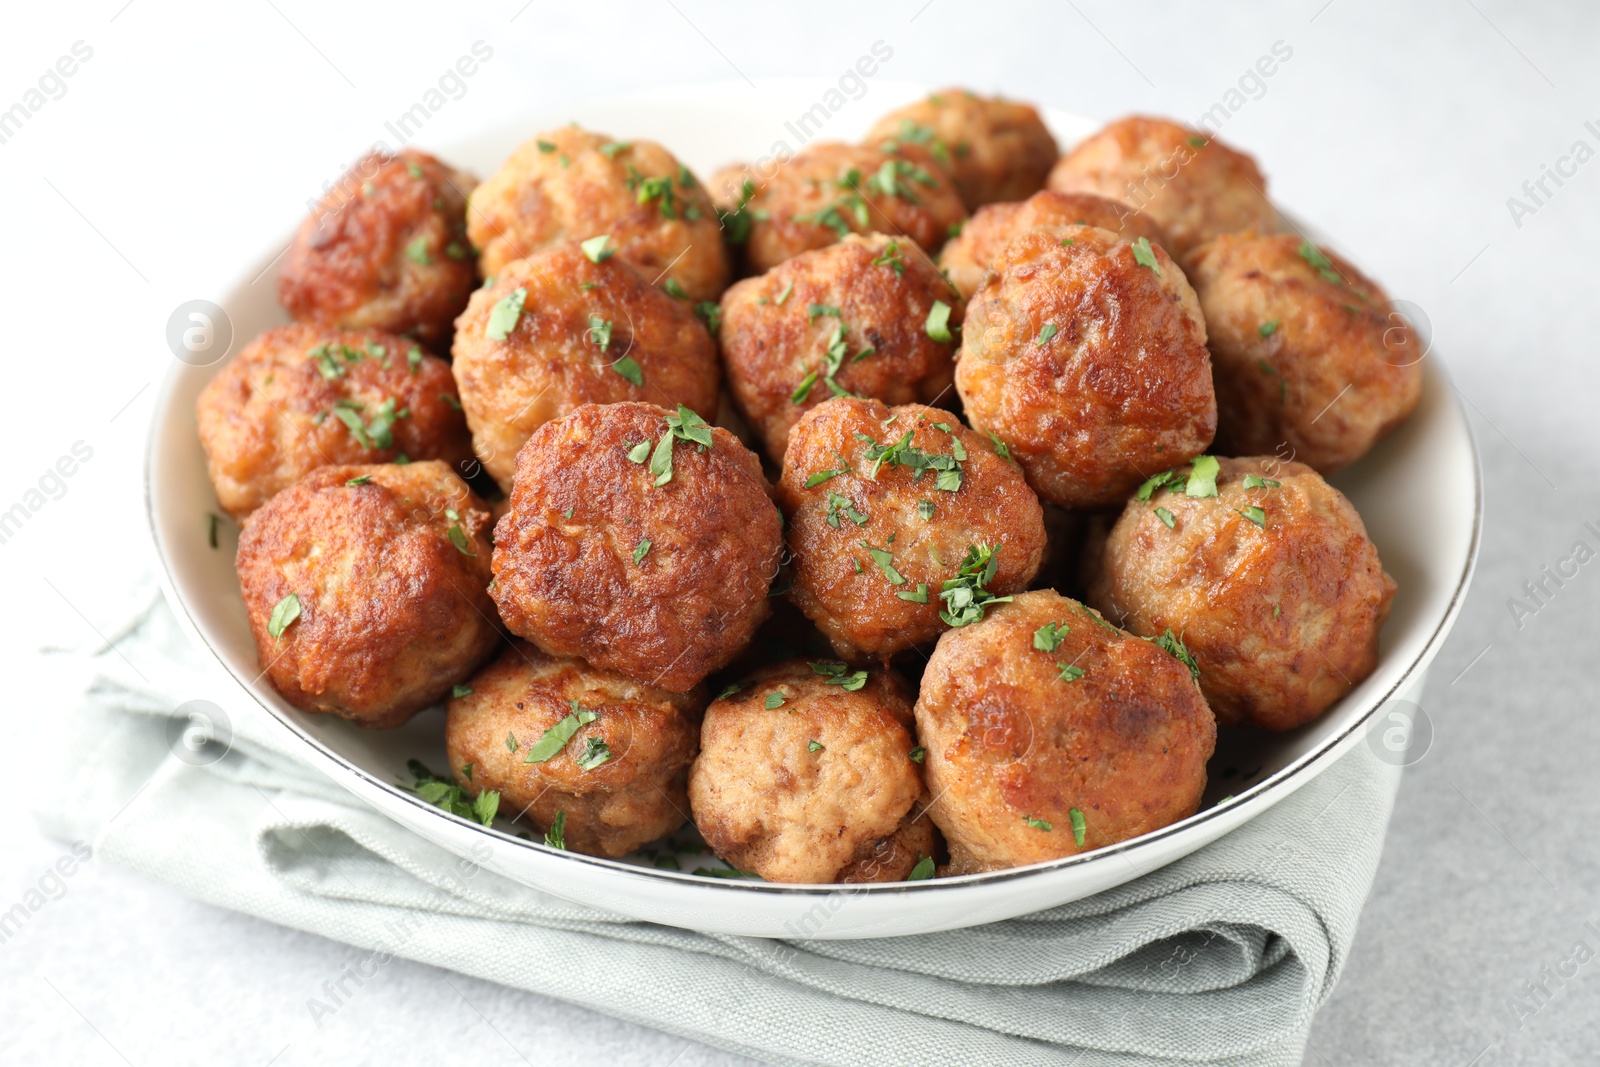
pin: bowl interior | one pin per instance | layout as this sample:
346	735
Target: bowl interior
1418	492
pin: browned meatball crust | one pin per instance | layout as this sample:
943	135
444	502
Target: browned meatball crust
871	554
1088	363
301	397
969	256
386	566
580	332
831	190
1274	587
994	149
386	249
854	314
1044	709
572	185
663	583
1192	185
620	779
1305	351
802	775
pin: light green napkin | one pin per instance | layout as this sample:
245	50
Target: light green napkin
1221	957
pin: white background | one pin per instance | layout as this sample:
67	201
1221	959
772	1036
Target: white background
190	141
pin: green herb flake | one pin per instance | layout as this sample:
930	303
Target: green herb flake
1267	329
885	561
459	691
965	597
919	595
922	871
813	745
1255	515
417	251
599	332
458	538
629	368
710	313
999	446
839	674
774	701
414	359
925	510
511	742
553	740
1254	481
1320	263
823	475
556	836
1173	645
918	754
1203	477
640	549
1194	142
728	690
598	249
611	149
783	295
546	146
360	479
1080	826
451	797
215	521
673	289
1048	637
803	390
1046	332
890	258
505	314
1144	255
1070	672
938	322
284	612
1039	824
639	452
1166	517
595	752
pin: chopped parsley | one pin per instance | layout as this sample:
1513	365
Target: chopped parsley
885	561
1039	824
640	549
417	251
1320	263
503	317
918	754
999	446
815	311
674	289
890	257
1080	826
360	479
451	401
595	752
413	359
925	510
1048	637
628	368
823	475
511	742
1255	481
843	505
639	452
1255	515
1267	329
1046	332
1166	517
1173	645
600	333
728	690
1144	255
813	745
803	390
448	795
783	295
413	170
840	675
215	521
1070	672
919	595
556	836
457	536
710	313
903	453
598	249
774	701
938	322
553	740
1203	477
610	149
546	146
736	224
459	691
922	871
686	426
965	597
284	612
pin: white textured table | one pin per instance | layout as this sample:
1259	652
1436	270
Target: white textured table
190	138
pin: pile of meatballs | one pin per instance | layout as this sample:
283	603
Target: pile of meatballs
910	508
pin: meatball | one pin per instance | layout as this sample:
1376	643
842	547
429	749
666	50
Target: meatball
968	257
830	190
365	587
897	539
1050	732
301	397
572	185
1269	579
806	773
1192	185
618	780
643	542
1089	361
386	249
994	149
852	318
558	330
1305	351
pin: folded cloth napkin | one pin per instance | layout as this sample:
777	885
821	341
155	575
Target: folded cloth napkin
1221	957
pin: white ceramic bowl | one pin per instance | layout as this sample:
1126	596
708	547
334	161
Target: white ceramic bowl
1419	493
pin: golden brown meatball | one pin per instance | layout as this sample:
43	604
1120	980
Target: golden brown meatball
879	530
1192	185
1089	361
850	318
994	149
831	190
365	587
572	185
894	858
386	249
969	255
1305	351
558	330
619	780
1050	732
301	397
805	770
643	542
1271	583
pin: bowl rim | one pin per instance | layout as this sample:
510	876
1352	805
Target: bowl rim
340	768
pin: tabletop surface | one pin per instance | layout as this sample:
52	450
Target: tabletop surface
1443	146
